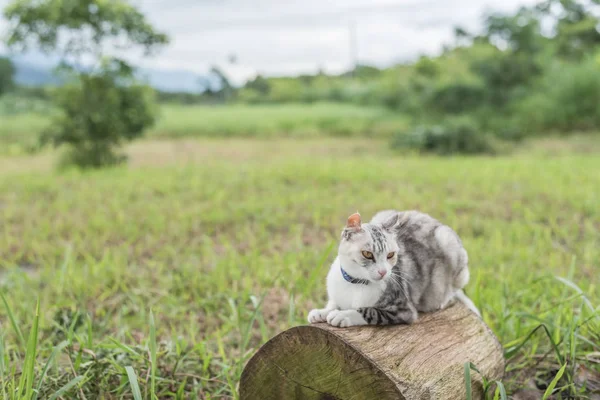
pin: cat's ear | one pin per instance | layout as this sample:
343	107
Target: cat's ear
354	222
352	226
390	223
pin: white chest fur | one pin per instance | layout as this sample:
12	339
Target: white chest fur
348	295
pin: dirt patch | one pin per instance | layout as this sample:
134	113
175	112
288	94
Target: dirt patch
275	307
26	269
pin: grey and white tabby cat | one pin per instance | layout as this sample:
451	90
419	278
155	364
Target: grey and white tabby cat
388	270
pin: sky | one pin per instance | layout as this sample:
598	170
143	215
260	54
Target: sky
284	37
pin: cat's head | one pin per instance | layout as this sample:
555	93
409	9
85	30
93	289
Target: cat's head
368	251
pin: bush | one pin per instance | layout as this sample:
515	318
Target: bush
454	137
568	100
7	74
457	97
99	113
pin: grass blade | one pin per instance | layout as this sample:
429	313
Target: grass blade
552	385
2	379
483	378
32	350
180	395
317	273
133	382
66	388
26	381
13	322
577	289
500	391
509	353
152	356
89	332
468	380
65	266
291	310
56	350
124	347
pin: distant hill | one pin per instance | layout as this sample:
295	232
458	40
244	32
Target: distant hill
35	70
172	80
29	74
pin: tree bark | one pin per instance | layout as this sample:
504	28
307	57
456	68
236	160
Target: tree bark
424	360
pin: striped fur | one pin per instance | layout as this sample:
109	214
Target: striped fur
427	270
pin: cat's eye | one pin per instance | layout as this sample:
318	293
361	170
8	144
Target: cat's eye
391	255
367	254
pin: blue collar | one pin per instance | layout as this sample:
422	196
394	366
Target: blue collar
351	279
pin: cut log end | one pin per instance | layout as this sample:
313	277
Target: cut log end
421	361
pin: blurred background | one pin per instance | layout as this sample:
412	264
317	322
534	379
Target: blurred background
491	72
174	176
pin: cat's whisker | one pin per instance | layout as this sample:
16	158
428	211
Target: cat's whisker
397	280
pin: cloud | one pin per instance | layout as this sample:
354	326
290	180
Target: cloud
276	37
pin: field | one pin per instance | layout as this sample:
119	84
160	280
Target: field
20	128
203	249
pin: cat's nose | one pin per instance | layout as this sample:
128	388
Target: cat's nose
382	272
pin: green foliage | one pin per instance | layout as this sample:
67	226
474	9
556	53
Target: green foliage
458	136
104	107
427	67
86	25
506	76
223	91
457	97
506	80
519	32
366	72
260	85
567	100
576	27
7	72
503	78
100	111
16	102
285	90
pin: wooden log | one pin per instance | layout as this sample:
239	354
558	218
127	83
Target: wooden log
424	360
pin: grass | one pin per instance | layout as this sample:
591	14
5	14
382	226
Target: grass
284	120
160	280
19	131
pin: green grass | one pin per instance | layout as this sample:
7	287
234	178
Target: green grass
285	120
229	243
19	131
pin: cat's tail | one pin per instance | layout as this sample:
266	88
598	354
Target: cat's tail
462	297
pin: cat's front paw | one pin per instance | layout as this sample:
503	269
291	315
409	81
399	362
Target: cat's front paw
318	315
345	318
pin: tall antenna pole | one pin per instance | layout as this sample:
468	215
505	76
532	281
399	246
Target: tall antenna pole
353	47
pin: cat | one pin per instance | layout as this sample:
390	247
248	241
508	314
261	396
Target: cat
388	270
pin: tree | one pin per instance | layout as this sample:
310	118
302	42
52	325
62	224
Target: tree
462	37
7	72
224	88
102	104
575	26
515	63
100	111
519	33
260	84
